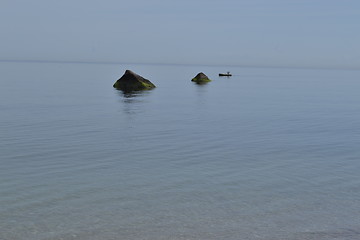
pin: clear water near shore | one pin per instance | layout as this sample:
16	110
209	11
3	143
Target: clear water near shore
265	154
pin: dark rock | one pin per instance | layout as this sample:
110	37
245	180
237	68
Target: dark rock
201	78
131	81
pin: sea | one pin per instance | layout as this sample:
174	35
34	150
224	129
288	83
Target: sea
266	154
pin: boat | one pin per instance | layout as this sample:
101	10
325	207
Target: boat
228	74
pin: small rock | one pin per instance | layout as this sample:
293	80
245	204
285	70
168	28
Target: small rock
201	78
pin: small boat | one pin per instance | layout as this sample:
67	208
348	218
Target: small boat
228	74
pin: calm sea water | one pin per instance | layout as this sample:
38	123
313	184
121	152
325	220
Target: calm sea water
267	154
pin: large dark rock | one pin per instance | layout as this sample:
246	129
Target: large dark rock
201	78
130	81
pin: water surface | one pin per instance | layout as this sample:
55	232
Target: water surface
265	154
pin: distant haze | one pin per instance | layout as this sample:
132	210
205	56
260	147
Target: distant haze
294	33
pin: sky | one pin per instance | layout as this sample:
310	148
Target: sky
274	33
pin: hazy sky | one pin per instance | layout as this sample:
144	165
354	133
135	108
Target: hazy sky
316	33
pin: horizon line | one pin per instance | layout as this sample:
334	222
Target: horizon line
177	64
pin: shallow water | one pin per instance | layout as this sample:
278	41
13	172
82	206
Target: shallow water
265	154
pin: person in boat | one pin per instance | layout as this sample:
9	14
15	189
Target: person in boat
225	74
